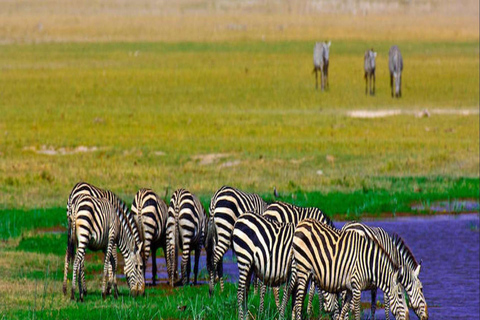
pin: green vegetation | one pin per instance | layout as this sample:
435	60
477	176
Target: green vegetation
125	100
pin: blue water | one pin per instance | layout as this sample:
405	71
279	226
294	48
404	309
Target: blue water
449	246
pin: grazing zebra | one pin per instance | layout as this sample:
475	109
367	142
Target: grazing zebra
369	65
401	255
343	260
97	224
288	213
263	248
185	229
87	188
395	65
226	206
321	52
151	218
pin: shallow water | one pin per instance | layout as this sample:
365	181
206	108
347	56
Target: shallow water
447	244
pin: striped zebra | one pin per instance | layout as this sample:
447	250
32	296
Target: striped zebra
97	224
185	229
86	188
369	66
226	205
401	255
343	261
150	213
288	213
395	65
321	60
263	248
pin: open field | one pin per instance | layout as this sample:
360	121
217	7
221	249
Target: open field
199	94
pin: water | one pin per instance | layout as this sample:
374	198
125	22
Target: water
447	244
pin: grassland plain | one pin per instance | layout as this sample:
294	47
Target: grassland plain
198	94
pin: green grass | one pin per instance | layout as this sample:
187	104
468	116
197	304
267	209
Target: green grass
152	108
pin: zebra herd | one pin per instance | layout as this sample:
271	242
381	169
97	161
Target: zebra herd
321	53
275	243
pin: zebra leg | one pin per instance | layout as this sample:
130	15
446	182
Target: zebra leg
302	280
154	266
186	265
316	78
107	264
387	306
65	273
276	295
82	276
113	263
374	83
311	293
356	302
263	289
220	275
245	274
373	303
198	250
346	300
76	268
391	84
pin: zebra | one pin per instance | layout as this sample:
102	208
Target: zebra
86	188
401	254
185	229
369	65
321	52
226	205
150	213
284	212
263	248
395	65
97	224
343	260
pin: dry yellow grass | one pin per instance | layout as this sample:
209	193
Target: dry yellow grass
189	20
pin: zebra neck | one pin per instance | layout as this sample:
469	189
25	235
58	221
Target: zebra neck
384	270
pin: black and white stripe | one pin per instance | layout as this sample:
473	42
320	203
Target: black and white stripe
401	255
226	205
185	230
82	188
263	248
97	224
150	213
395	65
284	212
321	60
369	67
343	261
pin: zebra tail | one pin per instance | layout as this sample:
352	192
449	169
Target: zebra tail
70	242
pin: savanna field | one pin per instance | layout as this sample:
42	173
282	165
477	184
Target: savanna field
201	94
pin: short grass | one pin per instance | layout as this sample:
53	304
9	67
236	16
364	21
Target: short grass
158	113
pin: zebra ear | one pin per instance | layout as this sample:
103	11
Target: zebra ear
375	54
417	270
329	43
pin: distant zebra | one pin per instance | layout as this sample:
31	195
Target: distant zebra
151	217
321	52
288	213
263	248
402	256
369	66
395	65
87	188
343	260
185	229
97	224
226	205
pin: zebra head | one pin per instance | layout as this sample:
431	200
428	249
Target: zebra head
414	289
210	244
396	296
371	55
134	270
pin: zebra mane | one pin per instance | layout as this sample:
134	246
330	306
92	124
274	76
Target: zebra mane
405	251
387	254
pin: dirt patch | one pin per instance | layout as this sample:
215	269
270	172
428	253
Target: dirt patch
206	159
51	151
372	114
